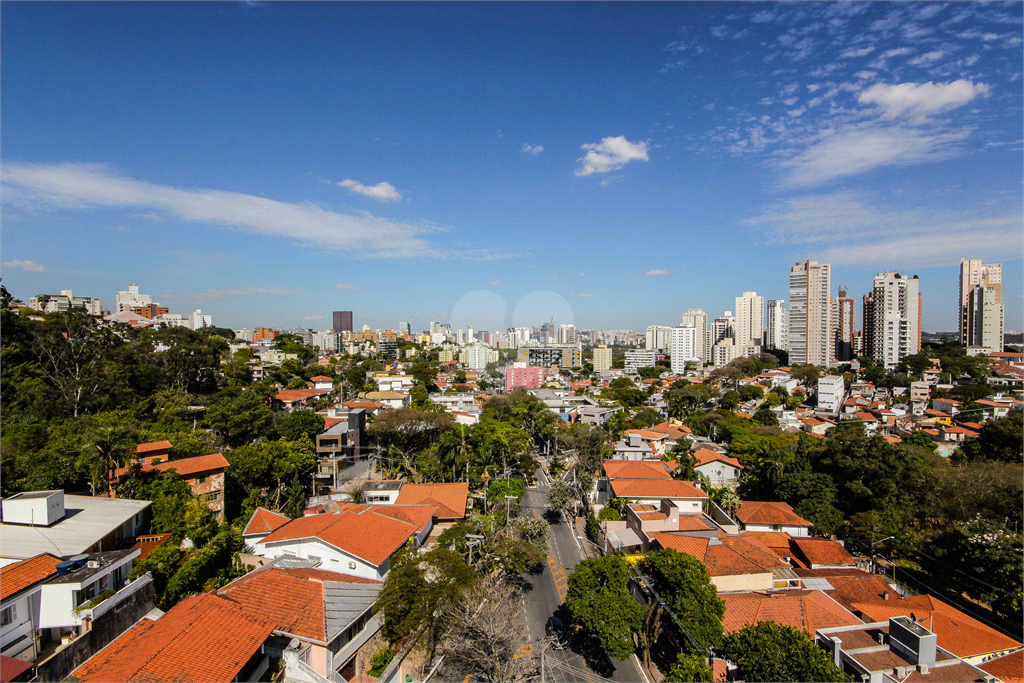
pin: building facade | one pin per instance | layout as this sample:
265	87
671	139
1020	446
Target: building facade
343	321
602	358
636	359
981	313
699	319
895	318
683	347
749	319
810	311
777	334
844	326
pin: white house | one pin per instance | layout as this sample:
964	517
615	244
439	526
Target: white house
771	516
393	382
391	399
322	382
831	390
720	469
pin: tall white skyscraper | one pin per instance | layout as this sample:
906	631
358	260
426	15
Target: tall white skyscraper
981	314
567	334
699	319
127	299
749	319
777	336
658	337
683	346
895	318
810	338
722	328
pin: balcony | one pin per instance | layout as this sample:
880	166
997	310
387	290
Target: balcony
95	610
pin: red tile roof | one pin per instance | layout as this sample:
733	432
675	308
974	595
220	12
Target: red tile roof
706	455
417	515
807	611
655	488
11	668
152	446
149	543
1008	668
291	395
202	638
769	513
449	499
675	432
372	537
197	465
777	541
647	434
691	545
264	521
321	378
821	551
330	422
636	469
18	576
892	439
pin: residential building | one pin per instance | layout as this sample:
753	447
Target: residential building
152	452
831	393
805	610
641	444
244	334
777	334
450	500
327	341
734	562
387	349
262	333
683	347
341	440
658	338
722	328
197	320
150	311
724	352
749	319
719	468
65	301
205	475
974	309
602	358
771	516
36	522
474	357
699	319
844	325
567	334
546	356
301	399
524	377
129	299
810	311
894	317
391	399
636	359
342	321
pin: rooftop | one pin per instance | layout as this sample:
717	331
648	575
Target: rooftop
264	521
769	513
655	488
188	466
807	611
449	499
636	469
18	576
370	536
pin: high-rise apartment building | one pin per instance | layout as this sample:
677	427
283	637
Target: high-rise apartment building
722	328
567	334
636	359
404	328
602	358
658	337
981	315
683	347
810	311
892	319
343	321
777	335
699	319
749	319
844	326
127	299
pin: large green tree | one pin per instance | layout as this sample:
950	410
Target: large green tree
601	602
768	651
683	582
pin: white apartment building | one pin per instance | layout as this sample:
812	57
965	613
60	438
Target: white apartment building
777	335
244	334
658	337
567	334
722	328
474	357
58	303
602	358
328	341
894	315
636	359
981	314
810	313
683	347
127	299
749	319
198	321
699	319
831	393
724	352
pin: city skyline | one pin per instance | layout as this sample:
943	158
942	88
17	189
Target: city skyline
611	166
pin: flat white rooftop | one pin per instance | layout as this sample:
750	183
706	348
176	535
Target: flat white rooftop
86	522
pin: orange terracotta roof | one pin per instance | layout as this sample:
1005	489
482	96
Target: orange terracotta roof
691	545
675	432
647	434
294	603
821	551
778	541
706	455
264	521
152	446
290	395
330	422
11	668
187	466
202	638
371	537
694	523
18	576
417	515
807	611
765	512
892	439
850	587
1008	668
647	516
321	378
369	405
147	544
752	549
636	469
449	499
722	560
655	488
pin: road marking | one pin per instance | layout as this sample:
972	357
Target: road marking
522	652
555	570
466	679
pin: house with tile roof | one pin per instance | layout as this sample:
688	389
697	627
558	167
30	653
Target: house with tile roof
449	499
771	516
20	593
390	399
820	553
804	610
262	523
151	452
202	638
720	469
358	543
734	562
641	444
684	494
420	516
1008	668
205	475
300	399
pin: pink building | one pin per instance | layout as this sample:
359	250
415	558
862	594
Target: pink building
525	378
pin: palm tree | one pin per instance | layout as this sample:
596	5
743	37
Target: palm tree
109	449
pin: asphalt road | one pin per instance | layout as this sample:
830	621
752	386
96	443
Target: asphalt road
543	596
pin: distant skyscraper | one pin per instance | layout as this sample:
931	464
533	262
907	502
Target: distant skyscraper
343	321
810	311
566	334
981	314
722	328
777	336
602	358
404	328
844	325
127	299
895	318
699	319
683	347
749	319
657	337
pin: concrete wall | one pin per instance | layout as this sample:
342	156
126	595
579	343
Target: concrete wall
331	559
743	582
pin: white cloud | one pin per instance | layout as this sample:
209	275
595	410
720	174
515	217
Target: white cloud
149	216
23	265
864	75
533	150
656	271
385	192
350	288
921	98
898	52
216	294
82	186
588	296
927	58
610	154
859	150
492	283
858	52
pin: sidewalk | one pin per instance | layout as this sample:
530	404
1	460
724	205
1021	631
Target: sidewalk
580	529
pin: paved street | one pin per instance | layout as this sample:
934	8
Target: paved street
543	597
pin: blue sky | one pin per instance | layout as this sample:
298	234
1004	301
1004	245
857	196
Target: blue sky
610	165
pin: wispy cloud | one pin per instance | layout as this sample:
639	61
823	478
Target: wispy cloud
532	150
350	288
218	294
385	192
587	296
23	265
921	98
656	271
492	283
610	154
83	186
858	52
149	216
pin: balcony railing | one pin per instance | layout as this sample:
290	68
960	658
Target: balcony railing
95	611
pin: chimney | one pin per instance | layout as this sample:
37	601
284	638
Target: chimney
885	595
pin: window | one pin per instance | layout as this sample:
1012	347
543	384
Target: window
8	615
203	479
313	557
